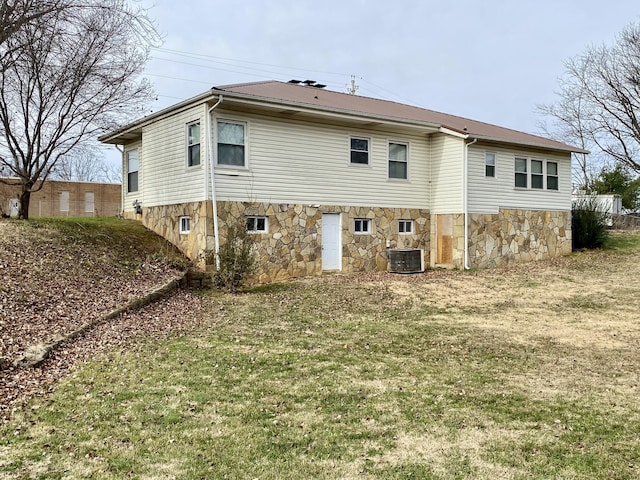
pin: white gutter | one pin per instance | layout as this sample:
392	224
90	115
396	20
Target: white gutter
216	238
465	199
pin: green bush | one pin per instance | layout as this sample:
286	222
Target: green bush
236	258
588	224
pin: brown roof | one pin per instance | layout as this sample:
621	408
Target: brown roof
317	98
314	99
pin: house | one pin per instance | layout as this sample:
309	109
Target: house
330	181
61	198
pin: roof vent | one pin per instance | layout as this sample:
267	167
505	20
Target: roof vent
308	83
406	260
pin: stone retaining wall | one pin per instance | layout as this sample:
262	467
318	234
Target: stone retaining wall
516	236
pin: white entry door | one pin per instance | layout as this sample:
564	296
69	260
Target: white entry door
331	242
14	207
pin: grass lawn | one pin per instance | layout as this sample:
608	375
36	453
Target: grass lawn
526	372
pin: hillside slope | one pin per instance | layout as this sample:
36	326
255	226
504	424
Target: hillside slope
58	274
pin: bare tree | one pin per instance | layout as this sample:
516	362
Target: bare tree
15	14
599	103
567	124
76	74
86	165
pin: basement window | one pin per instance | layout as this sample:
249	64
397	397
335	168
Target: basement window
185	225
257	224
362	225
405	226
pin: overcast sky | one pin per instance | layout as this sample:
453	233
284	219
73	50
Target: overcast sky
489	60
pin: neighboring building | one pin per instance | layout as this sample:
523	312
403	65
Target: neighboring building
611	204
59	198
329	181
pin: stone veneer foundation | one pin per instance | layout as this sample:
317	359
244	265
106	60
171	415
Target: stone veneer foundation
518	236
165	221
292	247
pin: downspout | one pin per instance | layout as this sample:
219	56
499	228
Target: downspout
216	237
465	200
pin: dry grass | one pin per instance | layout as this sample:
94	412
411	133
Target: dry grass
529	371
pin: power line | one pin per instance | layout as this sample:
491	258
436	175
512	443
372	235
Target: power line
215	59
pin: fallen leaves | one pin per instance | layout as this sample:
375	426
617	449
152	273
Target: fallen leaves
50	286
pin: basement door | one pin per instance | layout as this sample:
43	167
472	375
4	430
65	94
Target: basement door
331	242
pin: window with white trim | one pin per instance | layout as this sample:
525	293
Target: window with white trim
489	164
522	177
362	225
359	151
405	226
398	160
193	144
231	144
257	224
552	175
132	171
185	225
536	174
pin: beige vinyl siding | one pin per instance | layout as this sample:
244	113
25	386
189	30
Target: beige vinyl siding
129	198
447	173
488	195
309	163
166	179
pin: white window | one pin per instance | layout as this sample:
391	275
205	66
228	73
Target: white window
521	173
193	144
489	164
89	204
552	176
64	201
537	177
359	151
405	226
536	174
257	225
185	225
132	171
231	144
398	160
362	225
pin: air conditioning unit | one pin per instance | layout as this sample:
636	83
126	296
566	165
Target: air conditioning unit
406	260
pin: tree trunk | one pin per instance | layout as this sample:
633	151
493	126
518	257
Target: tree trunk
25	198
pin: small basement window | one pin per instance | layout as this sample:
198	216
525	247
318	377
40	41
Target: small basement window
405	226
185	225
362	225
257	224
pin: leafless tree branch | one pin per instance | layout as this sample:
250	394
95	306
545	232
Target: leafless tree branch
67	77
